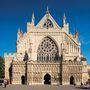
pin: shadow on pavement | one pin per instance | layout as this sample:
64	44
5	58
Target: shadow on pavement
84	87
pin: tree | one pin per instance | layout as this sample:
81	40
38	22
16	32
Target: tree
1	67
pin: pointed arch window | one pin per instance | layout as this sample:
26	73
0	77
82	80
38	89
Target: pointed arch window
47	51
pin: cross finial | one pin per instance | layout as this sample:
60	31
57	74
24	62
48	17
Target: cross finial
47	12
47	8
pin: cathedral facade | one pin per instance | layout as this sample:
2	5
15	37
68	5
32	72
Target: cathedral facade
46	54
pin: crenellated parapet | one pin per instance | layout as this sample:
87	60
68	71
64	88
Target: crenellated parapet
8	55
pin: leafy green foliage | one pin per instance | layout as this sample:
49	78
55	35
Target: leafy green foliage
1	67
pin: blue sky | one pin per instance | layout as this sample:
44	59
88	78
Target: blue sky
16	13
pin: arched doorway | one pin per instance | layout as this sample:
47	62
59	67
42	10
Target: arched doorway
22	79
47	79
71	80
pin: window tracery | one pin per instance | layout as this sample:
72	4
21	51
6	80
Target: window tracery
47	51
48	24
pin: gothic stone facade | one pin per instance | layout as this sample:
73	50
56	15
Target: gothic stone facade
46	54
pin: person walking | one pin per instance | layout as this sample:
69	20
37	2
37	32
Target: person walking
5	83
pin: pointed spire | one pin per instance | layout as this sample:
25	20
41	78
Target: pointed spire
19	34
76	34
19	29
47	9
64	19
76	31
33	18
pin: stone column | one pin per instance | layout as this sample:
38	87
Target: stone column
73	48
70	47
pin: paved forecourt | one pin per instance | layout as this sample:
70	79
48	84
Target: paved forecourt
39	87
